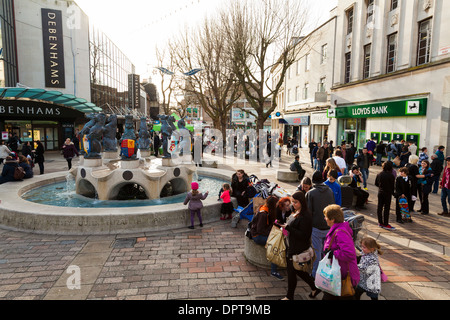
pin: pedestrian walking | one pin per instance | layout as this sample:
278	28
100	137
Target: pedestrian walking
318	199
424	184
194	198
299	228
423	155
445	189
385	182
413	172
69	151
312	146
339	244
370	271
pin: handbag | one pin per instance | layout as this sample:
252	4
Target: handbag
397	161
276	248
304	261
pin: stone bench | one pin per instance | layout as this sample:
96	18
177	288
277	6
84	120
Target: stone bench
287	176
256	254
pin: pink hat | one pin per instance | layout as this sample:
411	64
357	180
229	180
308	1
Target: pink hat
194	186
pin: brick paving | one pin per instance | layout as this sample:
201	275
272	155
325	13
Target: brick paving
208	263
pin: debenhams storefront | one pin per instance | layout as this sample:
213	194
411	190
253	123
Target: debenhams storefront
37	114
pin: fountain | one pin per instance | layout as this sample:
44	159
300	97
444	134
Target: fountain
126	193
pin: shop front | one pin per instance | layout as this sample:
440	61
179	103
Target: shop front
297	126
396	120
320	124
41	120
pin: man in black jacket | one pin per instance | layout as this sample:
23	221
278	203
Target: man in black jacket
437	167
364	161
385	181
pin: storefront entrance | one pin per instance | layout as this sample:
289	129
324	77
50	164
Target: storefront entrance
31	131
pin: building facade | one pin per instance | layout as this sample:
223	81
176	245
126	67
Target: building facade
390	75
49	80
393	72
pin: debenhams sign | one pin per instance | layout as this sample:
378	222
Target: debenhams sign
36	110
52	30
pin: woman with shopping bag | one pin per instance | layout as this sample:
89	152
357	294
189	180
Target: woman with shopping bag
261	228
339	247
300	255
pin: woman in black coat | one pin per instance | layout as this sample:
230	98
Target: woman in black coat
299	226
239	184
39	156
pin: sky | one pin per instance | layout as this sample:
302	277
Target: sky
138	26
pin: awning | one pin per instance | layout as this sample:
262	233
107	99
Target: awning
54	97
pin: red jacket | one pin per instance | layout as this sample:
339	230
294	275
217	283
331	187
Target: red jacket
445	183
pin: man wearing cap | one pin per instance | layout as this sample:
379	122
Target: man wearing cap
318	198
445	186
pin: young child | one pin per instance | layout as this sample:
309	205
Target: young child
369	269
194	198
227	208
334	186
402	189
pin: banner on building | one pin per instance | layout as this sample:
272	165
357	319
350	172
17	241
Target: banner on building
52	30
134	91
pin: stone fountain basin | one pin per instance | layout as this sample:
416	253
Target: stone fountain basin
21	215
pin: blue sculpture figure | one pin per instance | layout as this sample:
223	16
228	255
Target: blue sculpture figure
85	131
95	137
144	141
128	141
167	128
109	137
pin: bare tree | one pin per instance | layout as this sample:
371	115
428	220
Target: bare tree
262	35
166	59
215	88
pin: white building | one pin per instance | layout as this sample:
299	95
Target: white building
392	71
387	74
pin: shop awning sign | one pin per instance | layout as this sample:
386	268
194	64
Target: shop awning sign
402	108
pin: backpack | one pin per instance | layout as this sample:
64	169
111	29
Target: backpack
19	173
293	168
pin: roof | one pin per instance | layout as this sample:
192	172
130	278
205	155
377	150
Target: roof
54	97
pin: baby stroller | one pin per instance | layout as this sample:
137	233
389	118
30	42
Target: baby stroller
356	223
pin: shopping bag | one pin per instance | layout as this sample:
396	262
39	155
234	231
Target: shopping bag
276	248
328	276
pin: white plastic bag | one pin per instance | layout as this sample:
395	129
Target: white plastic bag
328	276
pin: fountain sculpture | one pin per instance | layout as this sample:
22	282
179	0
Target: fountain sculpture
127	176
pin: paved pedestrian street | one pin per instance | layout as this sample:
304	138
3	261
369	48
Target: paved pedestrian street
207	263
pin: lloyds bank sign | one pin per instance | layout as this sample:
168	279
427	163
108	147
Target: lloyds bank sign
400	108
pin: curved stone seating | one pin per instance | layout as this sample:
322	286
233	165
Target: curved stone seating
287	176
256	254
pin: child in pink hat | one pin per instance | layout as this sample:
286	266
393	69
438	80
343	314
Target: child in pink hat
194	198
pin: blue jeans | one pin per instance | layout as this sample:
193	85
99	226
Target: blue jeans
379	158
436	184
261	240
391	156
318	240
365	174
445	196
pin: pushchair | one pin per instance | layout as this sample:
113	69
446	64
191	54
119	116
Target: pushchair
356	222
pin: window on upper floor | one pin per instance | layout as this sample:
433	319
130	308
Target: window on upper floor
348	62
324	54
307	62
370	8
394	4
366	64
305	91
322	87
424	46
297	94
392	53
349	15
